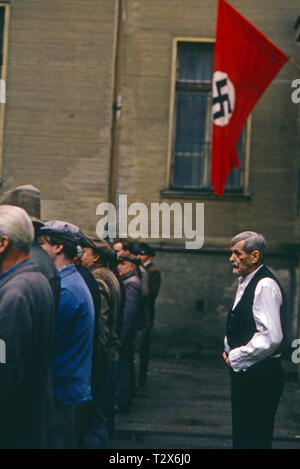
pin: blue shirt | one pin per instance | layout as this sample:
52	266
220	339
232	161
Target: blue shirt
74	332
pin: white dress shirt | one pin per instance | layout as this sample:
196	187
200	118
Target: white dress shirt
266	313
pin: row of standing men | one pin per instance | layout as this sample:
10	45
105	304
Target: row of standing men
71	340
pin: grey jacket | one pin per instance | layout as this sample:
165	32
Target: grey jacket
27	329
133	305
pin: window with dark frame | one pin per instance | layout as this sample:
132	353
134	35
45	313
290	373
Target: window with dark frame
191	150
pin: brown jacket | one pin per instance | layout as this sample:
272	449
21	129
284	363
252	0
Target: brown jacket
110	315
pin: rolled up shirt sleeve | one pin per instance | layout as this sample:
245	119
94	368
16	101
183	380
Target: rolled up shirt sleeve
226	346
266	313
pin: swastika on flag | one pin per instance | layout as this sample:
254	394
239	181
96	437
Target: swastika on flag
223	100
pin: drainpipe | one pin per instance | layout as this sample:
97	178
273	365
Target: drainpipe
117	103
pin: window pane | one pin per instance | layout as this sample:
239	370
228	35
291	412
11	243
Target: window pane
193	121
195	62
190	122
189	172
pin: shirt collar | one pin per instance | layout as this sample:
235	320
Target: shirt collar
245	280
67	269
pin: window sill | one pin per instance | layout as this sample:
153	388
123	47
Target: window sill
203	195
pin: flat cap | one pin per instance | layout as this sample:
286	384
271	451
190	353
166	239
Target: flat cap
99	245
63	230
94	242
129	257
27	197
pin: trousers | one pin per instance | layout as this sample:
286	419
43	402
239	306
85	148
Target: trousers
255	394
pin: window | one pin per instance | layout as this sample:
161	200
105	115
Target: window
4	19
192	132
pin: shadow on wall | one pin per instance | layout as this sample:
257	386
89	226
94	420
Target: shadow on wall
196	338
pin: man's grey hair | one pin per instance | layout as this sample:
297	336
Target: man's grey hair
16	224
252	242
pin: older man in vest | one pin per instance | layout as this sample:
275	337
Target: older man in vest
254	341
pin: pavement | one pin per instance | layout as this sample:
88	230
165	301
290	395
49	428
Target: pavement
186	405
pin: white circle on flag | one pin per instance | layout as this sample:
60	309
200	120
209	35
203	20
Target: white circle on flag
223	102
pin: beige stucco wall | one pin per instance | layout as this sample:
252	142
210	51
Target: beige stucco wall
59	103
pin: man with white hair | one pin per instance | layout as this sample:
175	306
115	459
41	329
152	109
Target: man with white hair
254	343
26	329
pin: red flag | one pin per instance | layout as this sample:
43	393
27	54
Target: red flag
245	62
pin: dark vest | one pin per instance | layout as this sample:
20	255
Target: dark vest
240	322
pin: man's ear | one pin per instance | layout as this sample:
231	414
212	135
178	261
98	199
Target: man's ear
255	255
95	257
58	248
4	243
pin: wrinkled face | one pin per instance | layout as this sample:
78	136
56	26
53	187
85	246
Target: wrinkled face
242	262
89	258
51	249
125	267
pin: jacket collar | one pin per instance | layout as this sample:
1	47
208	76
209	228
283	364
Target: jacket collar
130	274
27	266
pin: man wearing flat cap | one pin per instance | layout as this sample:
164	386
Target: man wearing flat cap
99	258
28	197
128	264
146	254
72	363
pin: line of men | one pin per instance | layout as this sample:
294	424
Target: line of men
75	314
